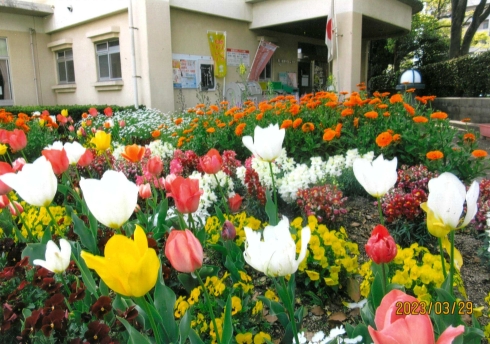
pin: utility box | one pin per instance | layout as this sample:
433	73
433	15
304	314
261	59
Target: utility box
235	92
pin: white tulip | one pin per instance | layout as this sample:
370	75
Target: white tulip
36	183
74	151
276	254
56	260
376	177
266	144
111	199
57	145
447	195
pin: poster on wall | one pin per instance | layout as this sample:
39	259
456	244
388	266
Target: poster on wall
184	73
235	57
187	71
217	45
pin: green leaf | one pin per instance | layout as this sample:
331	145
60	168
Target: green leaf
194	337
46	235
164	301
34	251
219	214
189	282
86	236
135	337
445	317
230	265
362	330
228	325
104	290
185	327
87	278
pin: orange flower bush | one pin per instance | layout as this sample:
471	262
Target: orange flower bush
329	134
420	119
307	127
479	153
434	155
371	115
439	115
384	139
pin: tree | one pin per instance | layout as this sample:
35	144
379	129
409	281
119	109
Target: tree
460	47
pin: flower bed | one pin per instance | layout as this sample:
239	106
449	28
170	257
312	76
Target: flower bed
139	231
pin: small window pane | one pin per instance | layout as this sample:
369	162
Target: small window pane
70	71
69	54
114	44
101	46
5	93
104	67
61	55
116	66
62	72
3	47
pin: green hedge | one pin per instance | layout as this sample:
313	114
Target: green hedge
467	76
75	111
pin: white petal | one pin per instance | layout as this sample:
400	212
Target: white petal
249	143
65	252
471	203
305	239
446	198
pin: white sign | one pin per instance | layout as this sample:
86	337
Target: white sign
234	57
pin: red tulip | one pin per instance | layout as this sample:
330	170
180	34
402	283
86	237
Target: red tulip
4	201
409	328
17	140
185	192
5	168
228	231
16	209
61	119
211	162
144	191
93	112
108	111
18	164
234	203
86	159
155	166
381	247
58	159
184	251
4	136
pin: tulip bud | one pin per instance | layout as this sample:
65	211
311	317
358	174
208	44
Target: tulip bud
18	164
122	123
228	231
16	209
93	130
4	201
381	247
184	251
144	190
71	128
155	166
235	203
86	159
137	208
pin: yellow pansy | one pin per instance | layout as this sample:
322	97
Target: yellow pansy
236	305
260	338
129	267
244	338
313	275
101	140
257	308
271	295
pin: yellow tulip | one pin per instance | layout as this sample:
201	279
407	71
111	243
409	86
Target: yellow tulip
102	140
64	113
435	226
3	149
128	267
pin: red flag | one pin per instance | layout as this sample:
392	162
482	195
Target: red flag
329	31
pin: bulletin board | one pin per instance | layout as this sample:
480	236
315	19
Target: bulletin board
193	72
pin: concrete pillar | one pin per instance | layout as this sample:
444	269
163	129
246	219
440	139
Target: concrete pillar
154	53
347	67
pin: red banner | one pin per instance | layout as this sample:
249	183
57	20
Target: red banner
264	54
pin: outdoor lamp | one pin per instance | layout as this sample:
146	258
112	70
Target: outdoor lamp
410	78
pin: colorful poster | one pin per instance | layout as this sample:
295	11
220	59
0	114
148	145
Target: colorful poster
184	73
217	45
235	57
263	55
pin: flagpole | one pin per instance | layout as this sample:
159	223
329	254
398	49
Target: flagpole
336	46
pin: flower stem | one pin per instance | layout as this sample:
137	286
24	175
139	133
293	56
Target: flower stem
275	192
53	220
384	278
289	306
443	263
225	203
28	229
153	324
65	285
380	210
208	302
451	264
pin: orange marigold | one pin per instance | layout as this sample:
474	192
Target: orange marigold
386	114
181	141
356	122
297	122
329	134
384	139
469	137
466	120
214	108
397	137
259	116
409	109
382	106
222	125
439	115
178	121
420	119
396	98
286	124
199	112
371	114
239	129
479	153
410	90
435	155
346	112
210	130
338	128
294	109
308	127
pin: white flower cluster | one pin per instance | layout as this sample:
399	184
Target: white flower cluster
333	337
118	149
209	186
164	150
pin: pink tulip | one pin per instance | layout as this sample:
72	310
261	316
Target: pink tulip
122	123
71	128
4	136
93	112
5	168
397	327
185	192
17	140
108	112
211	162
86	158
155	166
184	251
4	201
16	209
58	159
235	203
18	164
144	191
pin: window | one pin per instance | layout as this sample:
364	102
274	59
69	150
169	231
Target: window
66	70
483	25
5	87
267	72
108	60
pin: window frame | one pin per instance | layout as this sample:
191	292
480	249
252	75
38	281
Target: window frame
64	60
109	51
6	102
267	74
